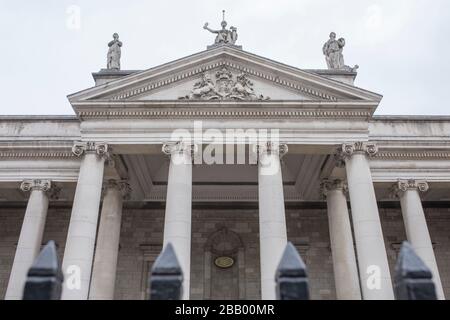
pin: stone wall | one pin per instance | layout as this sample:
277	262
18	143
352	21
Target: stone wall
244	223
308	231
141	240
140	243
439	227
10	224
142	234
438	221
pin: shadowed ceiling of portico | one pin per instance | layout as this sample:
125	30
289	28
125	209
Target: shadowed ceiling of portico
148	177
302	174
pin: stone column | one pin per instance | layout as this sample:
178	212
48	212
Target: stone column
107	248
79	250
373	264
272	220
416	226
342	248
30	238
177	221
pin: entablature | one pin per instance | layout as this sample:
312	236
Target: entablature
229	110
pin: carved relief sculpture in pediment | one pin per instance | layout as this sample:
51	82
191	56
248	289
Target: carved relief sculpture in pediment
224	88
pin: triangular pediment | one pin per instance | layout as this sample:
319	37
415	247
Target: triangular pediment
224	73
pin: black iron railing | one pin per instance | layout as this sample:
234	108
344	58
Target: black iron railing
412	279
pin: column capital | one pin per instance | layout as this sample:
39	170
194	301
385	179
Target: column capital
36	184
122	186
270	147
349	149
401	186
331	185
100	148
170	148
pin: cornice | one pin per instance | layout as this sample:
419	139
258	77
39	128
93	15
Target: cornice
16	151
35	118
177	103
37	154
412	155
222	112
34	147
409	118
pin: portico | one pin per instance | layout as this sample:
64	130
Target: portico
321	178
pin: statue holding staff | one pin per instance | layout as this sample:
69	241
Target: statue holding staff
224	36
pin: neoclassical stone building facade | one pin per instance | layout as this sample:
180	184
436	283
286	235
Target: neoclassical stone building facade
111	185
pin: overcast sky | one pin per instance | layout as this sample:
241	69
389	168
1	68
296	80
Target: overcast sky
401	46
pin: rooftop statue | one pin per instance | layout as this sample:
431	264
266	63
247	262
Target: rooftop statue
333	51
114	53
224	36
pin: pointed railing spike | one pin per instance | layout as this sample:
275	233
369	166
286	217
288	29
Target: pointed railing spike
166	277
413	279
44	278
291	276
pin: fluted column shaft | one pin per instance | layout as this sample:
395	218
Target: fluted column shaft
79	250
30	238
107	248
373	264
342	248
416	226
177	221
272	220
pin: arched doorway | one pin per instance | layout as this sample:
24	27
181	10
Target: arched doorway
224	266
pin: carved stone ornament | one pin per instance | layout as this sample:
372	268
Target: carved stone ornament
224	88
330	185
179	147
348	149
122	186
270	147
37	184
101	149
